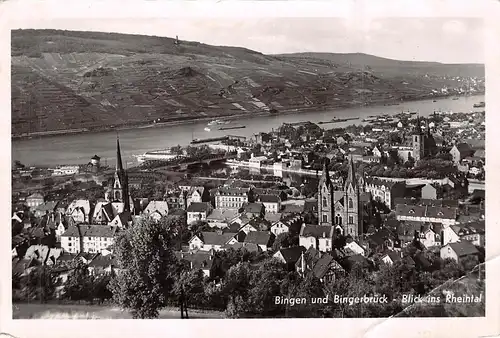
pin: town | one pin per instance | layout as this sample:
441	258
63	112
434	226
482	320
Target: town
389	207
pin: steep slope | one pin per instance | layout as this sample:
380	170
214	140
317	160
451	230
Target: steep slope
69	80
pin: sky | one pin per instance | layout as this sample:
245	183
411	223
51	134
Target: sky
447	40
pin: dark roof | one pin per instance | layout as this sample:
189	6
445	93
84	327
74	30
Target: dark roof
213	238
250	247
99	231
318	231
426	211
226	191
322	265
464	149
293	209
253	208
198	207
269	199
73	231
463	248
200	259
394	256
310	206
258	237
102	261
426	201
292	255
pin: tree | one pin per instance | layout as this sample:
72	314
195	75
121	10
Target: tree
148	267
39	284
79	285
191	286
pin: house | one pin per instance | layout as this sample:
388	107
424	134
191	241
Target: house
290	256
431	191
250	247
272	217
198	211
105	212
231	198
263	239
376	152
385	191
391	257
199	260
354	247
87	238
71	240
194	195
322	266
97	237
252	210
431	214
272	203
45	208
122	220
156	210
473	232
461	151
101	265
458	251
382	240
319	237
206	241
222	218
290	223
86	257
34	200
79	210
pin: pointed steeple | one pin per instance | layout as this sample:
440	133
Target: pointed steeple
351	174
418	127
119	163
325	176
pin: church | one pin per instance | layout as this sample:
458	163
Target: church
118	205
341	204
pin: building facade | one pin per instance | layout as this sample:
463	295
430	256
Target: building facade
340	206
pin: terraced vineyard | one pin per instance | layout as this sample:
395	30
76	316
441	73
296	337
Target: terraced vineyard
70	80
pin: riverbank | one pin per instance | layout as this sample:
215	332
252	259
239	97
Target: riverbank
289	111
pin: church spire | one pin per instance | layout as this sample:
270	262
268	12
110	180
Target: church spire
325	176
351	173
119	164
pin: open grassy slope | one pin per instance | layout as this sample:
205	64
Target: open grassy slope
69	80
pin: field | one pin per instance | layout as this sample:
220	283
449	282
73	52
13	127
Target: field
56	311
70	80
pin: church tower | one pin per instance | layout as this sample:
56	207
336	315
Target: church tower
418	139
351	202
119	190
325	196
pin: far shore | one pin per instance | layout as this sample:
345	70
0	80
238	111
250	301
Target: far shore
194	120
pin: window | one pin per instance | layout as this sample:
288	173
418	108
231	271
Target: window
325	218
351	204
351	220
325	202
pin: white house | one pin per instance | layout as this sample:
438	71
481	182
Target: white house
319	237
156	210
458	251
79	210
207	241
354	247
272	203
198	211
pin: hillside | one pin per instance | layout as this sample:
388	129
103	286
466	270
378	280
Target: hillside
70	80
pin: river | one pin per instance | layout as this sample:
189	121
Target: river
79	148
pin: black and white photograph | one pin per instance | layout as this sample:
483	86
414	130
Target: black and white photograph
232	168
